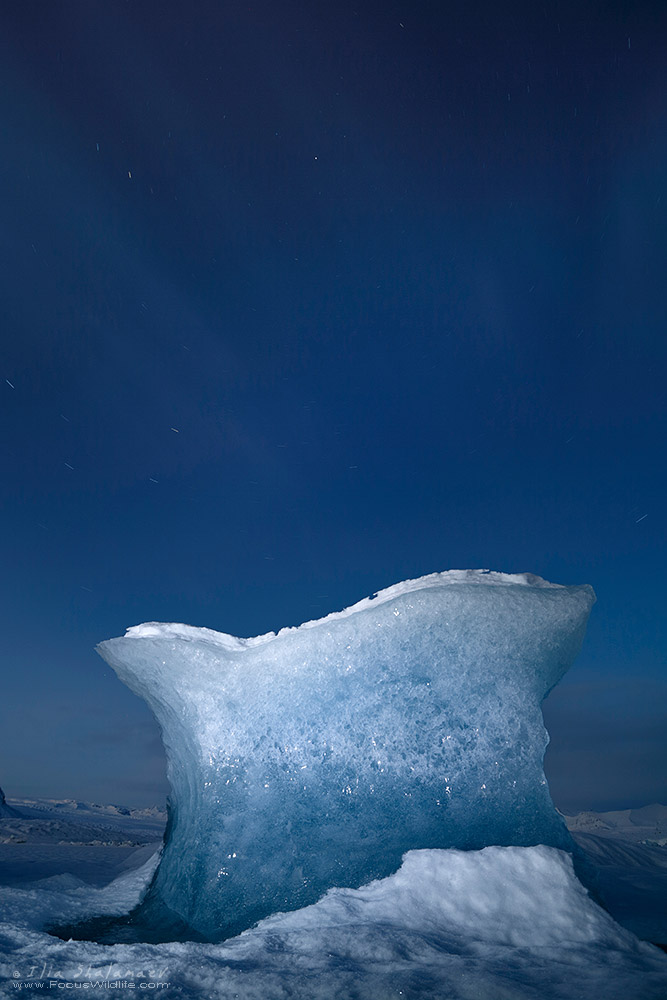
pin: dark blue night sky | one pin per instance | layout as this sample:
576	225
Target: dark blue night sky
303	299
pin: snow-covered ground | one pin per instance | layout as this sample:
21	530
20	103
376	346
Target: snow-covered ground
47	837
629	851
498	924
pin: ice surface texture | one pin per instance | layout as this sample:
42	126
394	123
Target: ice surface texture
318	756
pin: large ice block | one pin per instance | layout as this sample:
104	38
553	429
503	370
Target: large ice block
318	756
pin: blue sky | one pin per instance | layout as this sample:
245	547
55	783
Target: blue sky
304	299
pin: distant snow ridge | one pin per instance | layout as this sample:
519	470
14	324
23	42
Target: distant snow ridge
65	821
647	824
318	756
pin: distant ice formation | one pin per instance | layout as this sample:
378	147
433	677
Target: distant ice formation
318	756
6	810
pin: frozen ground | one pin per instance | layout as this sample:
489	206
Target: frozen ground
629	851
47	837
499	924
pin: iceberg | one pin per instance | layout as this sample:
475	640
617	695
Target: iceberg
318	756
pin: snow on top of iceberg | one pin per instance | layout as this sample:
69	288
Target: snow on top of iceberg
175	630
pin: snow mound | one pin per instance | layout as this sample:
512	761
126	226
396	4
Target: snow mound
503	923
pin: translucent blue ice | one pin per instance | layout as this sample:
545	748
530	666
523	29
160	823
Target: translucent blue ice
318	756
